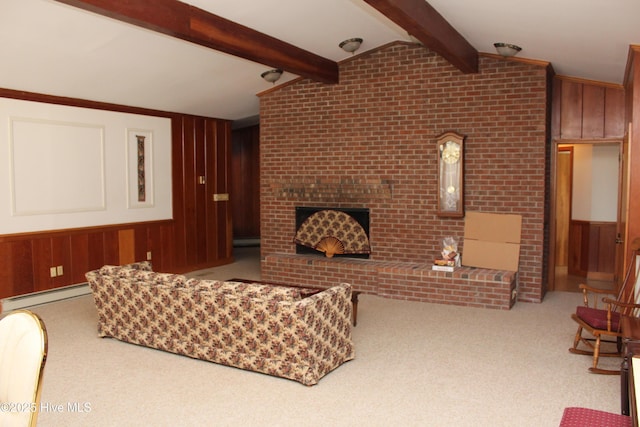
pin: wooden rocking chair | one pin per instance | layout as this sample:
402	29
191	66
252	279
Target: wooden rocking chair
605	321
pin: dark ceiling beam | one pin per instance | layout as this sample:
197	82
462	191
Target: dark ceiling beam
195	25
423	22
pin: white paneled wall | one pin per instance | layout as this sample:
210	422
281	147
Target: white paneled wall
67	167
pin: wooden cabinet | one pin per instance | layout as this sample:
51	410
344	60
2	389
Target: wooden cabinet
582	110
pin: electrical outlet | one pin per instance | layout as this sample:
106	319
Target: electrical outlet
149	256
59	270
53	272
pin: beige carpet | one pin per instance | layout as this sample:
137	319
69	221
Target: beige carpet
416	364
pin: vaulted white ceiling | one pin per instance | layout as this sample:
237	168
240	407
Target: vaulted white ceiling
52	48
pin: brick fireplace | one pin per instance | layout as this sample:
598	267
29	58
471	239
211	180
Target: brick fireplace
369	142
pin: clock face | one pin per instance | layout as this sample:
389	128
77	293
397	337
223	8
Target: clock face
451	152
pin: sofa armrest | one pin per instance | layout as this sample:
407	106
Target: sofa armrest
325	323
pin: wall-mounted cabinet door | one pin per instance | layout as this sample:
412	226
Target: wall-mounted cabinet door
200	189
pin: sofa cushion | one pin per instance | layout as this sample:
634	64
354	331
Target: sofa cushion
251	290
141	265
114	269
138	273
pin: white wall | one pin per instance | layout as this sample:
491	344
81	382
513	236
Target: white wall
66	167
595	182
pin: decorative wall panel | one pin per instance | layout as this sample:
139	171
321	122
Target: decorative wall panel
56	167
140	188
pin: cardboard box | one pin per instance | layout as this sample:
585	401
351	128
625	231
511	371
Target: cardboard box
492	241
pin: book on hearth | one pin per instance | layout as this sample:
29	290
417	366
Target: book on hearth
444	265
447	268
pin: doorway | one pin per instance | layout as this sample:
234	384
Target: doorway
245	183
586	214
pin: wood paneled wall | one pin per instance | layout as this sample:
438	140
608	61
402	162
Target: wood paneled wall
592	248
198	236
26	259
632	90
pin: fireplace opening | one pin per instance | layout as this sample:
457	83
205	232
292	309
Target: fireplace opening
339	232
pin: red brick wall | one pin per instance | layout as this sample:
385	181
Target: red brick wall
370	141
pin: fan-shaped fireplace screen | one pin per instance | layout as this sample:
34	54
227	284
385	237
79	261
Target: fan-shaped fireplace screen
333	232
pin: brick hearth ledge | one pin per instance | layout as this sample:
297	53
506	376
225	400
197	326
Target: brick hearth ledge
466	286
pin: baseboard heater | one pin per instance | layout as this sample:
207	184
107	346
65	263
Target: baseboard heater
44	297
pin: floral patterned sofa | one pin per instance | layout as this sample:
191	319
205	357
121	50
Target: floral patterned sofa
263	328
